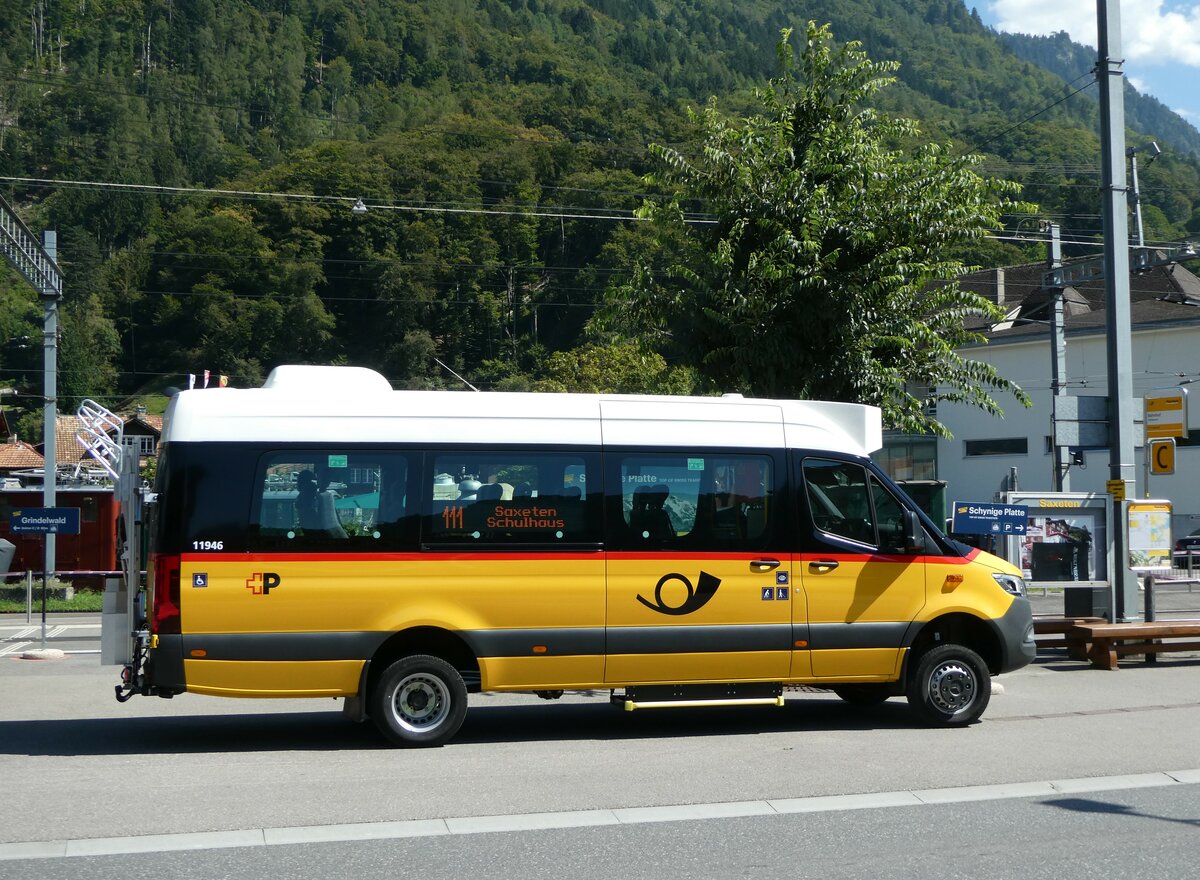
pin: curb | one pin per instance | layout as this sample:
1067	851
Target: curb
43	654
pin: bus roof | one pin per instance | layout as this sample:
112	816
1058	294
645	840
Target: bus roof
354	404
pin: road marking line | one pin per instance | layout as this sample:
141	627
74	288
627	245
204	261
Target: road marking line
26	628
13	649
148	843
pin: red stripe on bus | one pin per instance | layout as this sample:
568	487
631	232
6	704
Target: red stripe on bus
526	556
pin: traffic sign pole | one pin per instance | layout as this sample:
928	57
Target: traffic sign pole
45	576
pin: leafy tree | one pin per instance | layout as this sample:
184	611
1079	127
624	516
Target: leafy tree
825	272
620	367
89	348
20	354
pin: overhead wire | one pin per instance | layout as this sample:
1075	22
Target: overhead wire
534	211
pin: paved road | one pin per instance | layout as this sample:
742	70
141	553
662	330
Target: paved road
73	633
91	767
77	767
1123	834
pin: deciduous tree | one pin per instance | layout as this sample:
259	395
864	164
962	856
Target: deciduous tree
824	263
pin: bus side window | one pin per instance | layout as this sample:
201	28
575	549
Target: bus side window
513	497
317	498
693	500
648	518
736	505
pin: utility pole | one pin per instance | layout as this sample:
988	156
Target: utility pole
1058	364
1135	196
51	295
1116	267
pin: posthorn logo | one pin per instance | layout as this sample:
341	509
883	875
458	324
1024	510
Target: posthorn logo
261	583
694	599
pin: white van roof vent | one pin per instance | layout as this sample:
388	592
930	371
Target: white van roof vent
734	394
308	378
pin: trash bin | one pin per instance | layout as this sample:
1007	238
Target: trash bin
7	551
1087	602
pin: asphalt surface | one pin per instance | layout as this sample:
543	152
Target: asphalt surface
245	782
1119	835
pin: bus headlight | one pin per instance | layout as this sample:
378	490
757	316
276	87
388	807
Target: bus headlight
1010	583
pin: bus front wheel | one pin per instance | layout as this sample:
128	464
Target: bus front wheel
949	686
419	701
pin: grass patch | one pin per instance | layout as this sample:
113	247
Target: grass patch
12	600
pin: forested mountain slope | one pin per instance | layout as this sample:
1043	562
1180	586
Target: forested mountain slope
493	142
1059	54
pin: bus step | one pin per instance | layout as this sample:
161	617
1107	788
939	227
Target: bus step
681	696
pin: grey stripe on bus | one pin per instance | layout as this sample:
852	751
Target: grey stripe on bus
284	646
835	636
576	641
678	639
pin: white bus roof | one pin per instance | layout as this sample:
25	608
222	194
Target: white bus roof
354	404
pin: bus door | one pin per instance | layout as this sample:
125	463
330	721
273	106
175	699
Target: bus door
861	588
692	579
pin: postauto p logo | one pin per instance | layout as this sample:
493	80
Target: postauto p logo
262	582
697	597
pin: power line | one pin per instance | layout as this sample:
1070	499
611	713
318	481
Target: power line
354	202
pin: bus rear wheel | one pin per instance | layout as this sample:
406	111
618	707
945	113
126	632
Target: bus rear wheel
419	701
950	686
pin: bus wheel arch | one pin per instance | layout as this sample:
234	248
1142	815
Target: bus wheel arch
957	629
428	640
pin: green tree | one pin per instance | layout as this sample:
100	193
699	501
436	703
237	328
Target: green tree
618	367
826	271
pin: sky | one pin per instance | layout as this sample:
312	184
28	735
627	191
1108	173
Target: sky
1160	40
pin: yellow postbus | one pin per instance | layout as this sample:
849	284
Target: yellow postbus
326	536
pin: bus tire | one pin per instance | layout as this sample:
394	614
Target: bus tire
863	694
949	686
419	701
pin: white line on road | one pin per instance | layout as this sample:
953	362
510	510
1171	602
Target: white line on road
14	649
109	846
28	629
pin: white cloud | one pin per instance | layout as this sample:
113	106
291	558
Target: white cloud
1152	31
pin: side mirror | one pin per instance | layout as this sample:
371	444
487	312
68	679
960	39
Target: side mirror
914	534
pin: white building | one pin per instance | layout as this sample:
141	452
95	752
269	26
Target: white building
986	452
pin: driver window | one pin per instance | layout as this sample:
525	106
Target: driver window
890	517
839	499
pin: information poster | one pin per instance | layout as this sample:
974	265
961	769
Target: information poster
1150	542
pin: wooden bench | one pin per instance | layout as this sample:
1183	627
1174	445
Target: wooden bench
1111	640
1076	648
